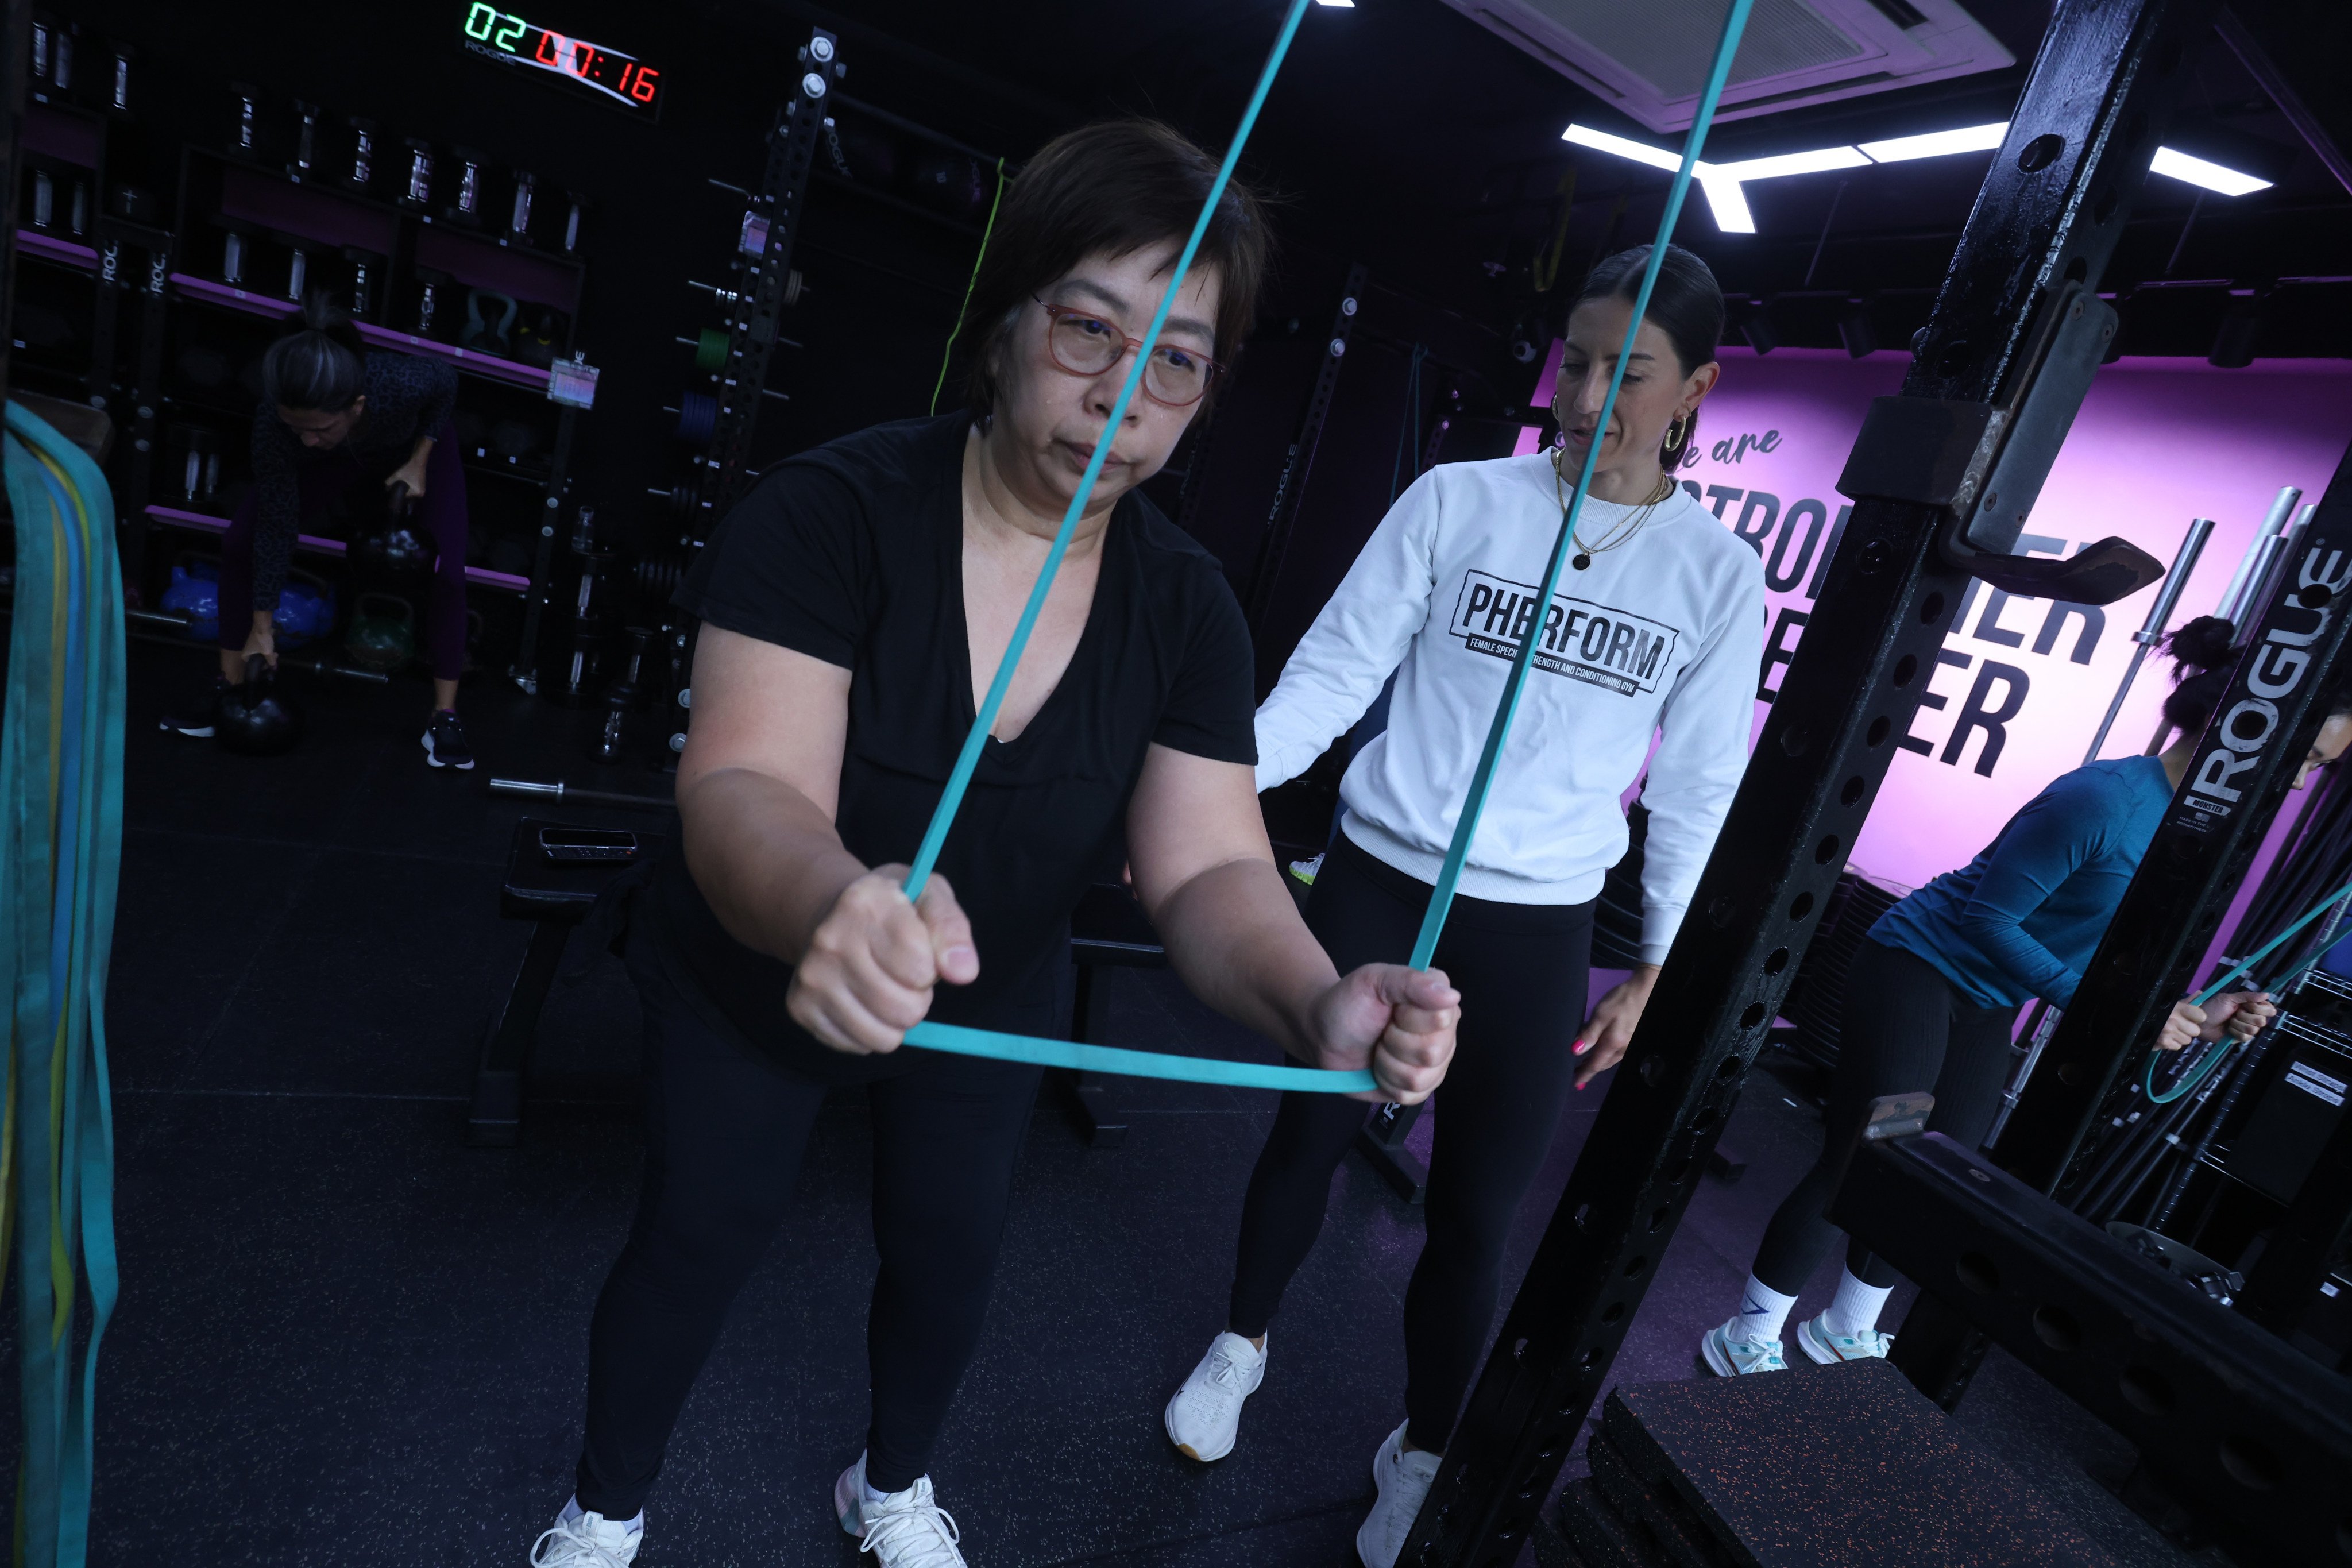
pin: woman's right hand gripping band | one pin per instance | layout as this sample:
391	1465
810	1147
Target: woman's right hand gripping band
874	961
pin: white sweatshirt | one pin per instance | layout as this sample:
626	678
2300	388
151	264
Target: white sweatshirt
1665	632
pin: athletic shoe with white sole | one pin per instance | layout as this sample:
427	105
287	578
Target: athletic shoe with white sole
444	741
1205	1415
1826	1349
904	1530
588	1540
196	723
1401	1481
1728	1357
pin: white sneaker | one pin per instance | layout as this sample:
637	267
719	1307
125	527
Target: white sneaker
1402	1480
1825	1347
1205	1415
904	1530
588	1540
1728	1357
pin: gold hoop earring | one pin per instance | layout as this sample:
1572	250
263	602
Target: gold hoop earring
1677	431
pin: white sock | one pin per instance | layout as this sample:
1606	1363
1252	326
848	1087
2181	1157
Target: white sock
1856	1305
1762	1311
572	1510
866	1488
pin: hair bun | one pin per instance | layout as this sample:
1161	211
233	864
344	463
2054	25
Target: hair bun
322	315
2204	644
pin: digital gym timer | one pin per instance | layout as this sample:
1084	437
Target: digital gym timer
614	78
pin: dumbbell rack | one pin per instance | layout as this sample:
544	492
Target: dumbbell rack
765	284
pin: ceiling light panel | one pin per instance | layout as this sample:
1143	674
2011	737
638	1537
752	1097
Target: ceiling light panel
2198	172
1937	144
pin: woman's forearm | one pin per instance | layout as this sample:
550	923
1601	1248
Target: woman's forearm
1235	937
770	862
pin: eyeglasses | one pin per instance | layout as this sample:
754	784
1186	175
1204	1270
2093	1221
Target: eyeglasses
1082	344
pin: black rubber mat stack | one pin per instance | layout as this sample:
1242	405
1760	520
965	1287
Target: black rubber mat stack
1845	1467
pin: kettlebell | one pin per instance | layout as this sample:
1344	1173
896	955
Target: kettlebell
384	632
394	549
253	720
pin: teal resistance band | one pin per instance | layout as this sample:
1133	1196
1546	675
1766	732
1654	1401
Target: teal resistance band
1070	1053
2222	1046
1441	898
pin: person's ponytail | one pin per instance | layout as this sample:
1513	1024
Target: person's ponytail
2203	653
321	367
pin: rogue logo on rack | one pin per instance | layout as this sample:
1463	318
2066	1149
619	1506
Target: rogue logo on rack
1583	640
617	78
2274	669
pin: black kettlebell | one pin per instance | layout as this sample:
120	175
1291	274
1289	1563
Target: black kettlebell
253	720
395	549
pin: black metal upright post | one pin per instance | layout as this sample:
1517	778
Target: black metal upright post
15	59
2016	311
1273	541
765	287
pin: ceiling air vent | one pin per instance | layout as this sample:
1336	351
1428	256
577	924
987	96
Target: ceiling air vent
1650	59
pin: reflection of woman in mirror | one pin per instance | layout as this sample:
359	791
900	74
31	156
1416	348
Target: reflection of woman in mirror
1934	992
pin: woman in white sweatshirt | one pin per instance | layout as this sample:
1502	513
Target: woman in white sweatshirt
1656	632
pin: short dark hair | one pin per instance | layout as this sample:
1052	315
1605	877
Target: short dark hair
323	366
1687	304
1112	188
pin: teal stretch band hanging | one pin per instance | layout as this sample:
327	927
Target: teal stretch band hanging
1069	1053
60	845
2222	1046
1441	897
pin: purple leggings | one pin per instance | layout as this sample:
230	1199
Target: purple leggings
440	516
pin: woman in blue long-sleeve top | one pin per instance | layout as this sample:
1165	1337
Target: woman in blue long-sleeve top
1934	991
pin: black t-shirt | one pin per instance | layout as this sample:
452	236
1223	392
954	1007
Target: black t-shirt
853	554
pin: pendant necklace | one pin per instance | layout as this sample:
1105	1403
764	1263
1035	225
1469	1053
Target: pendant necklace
1582	559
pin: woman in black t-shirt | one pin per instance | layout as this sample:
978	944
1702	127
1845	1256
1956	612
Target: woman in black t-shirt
855	607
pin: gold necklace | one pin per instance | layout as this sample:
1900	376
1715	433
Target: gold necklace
1582	559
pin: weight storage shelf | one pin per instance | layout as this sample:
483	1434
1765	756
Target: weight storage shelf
512	372
204	522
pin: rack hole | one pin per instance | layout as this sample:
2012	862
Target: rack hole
1518	1349
1729	1069
1795	738
2040	154
1583	1213
2145	1391
1611	1313
1800	905
1854	790
1931	609
1826	850
1703	1119
1588	1361
1775	961
1673	1174
1752	1016
2056	1327
2249	1464
1659	1216
1879	729
1976	1271
1905	669
1635	1264
2316	597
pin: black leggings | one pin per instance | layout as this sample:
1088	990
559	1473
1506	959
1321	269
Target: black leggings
1903	1029
1521	970
725	1131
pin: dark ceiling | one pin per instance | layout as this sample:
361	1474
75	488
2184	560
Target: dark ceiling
1403	135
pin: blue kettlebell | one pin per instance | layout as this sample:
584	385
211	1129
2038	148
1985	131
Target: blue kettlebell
198	598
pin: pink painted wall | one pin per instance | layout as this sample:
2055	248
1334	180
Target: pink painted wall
2023	684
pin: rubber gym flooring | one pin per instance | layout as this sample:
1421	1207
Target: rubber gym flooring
347	1338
